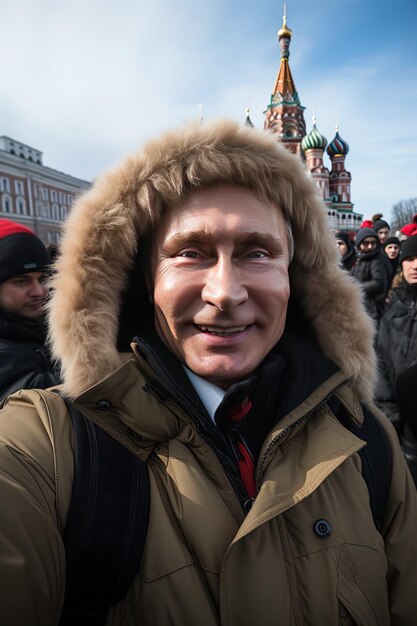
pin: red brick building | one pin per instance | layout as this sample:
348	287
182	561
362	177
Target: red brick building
33	194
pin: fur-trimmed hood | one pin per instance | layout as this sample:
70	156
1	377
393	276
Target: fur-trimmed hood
103	234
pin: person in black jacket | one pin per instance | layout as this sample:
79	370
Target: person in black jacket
381	227
405	391
24	261
392	249
346	250
397	337
371	271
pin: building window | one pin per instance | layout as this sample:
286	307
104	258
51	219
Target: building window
4	184
70	199
54	195
44	193
21	206
6	203
19	188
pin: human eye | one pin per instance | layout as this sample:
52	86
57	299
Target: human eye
258	254
189	254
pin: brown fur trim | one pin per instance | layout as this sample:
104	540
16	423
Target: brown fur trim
104	230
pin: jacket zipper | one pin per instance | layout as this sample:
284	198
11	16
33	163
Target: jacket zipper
282	435
238	488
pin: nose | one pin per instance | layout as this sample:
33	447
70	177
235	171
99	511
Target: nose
223	287
38	289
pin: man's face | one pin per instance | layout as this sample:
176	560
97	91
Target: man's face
342	247
220	282
25	295
383	234
368	245
392	250
409	267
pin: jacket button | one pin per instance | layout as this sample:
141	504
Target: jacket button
103	405
322	528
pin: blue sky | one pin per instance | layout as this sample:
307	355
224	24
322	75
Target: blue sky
86	81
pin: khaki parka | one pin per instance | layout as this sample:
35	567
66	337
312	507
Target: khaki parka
205	560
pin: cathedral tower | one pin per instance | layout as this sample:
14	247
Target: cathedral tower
284	114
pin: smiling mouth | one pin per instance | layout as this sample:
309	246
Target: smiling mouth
222	332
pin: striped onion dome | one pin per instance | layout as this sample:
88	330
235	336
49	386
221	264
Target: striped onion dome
337	146
314	140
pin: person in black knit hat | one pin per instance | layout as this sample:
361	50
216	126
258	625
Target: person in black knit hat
24	263
371	271
397	340
381	227
346	250
391	248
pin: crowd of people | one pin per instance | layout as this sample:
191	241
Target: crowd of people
386	268
199	440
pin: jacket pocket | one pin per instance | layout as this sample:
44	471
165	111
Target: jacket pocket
345	614
361	588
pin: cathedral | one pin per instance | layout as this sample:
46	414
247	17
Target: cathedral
284	117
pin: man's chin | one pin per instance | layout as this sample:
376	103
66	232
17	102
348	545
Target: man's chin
221	375
33	314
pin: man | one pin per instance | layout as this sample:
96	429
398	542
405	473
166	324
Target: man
397	338
381	227
346	250
24	260
371	270
391	248
210	248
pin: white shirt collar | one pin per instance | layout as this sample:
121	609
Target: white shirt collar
210	395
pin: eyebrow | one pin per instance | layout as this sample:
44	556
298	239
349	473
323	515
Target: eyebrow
273	243
28	275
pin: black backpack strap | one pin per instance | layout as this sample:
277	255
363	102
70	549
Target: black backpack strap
107	523
376	457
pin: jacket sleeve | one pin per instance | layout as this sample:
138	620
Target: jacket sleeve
385	394
35	494
18	371
377	285
400	536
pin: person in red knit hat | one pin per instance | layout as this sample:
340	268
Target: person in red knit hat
24	261
367	224
408	230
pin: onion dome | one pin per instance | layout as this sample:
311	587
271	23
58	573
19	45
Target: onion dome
314	140
284	31
338	146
